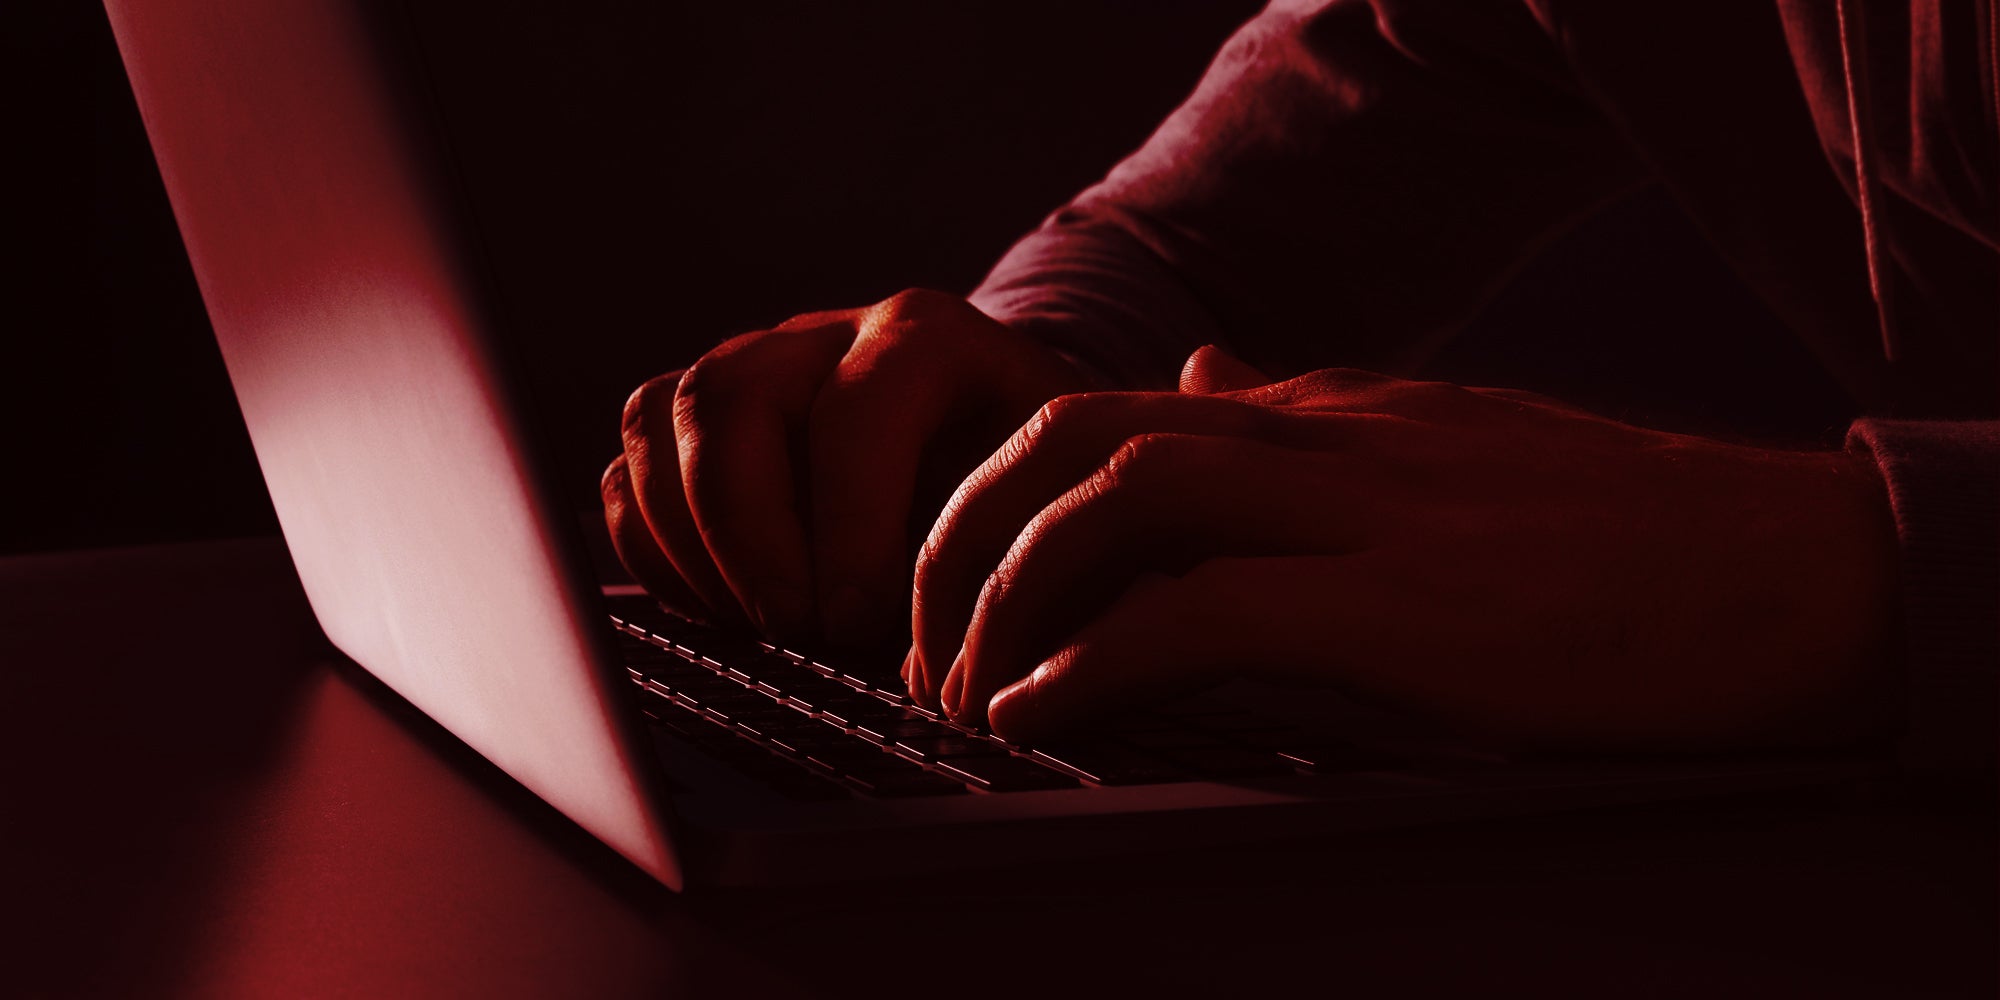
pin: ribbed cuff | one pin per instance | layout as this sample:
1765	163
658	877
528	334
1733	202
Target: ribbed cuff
1944	486
1094	292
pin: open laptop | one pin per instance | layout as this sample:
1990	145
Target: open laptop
300	150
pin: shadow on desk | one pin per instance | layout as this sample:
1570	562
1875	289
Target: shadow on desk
209	802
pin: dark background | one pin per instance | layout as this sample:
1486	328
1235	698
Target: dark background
647	181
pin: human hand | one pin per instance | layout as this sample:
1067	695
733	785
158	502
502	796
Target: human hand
1493	559
873	414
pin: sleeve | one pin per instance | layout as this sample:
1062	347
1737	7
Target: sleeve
1944	487
1349	181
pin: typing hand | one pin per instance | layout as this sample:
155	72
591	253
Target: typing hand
858	410
1494	559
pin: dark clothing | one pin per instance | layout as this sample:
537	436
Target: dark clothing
1352	179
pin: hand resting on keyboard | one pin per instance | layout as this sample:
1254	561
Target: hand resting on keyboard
1500	560
874	414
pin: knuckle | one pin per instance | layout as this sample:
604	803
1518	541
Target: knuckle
917	300
924	307
925	584
852	395
1435	392
611	485
647	399
703	380
927	556
938	542
808	322
1147	458
1058	415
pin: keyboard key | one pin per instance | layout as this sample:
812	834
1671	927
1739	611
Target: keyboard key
814	691
703	689
753	707
890	729
675	718
1110	764
856	757
877	673
633	652
676	671
731	650
818	736
925	712
1006	774
764	723
948	744
659	623
906	781
736	701
858	708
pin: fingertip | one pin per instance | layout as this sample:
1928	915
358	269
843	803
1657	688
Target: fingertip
615	476
921	690
1011	713
922	655
1211	370
954	689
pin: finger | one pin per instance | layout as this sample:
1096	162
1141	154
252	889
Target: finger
639	551
1277	618
1210	370
1061	445
653	474
1534	399
1325	621
870	426
1065	442
1163	503
1363	624
734	416
1344	389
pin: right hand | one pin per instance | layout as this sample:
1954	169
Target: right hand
786	478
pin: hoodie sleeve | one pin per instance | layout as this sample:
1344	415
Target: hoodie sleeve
1365	173
1944	487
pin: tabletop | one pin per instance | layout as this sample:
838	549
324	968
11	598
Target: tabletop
204	799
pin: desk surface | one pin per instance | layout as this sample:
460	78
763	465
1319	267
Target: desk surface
203	800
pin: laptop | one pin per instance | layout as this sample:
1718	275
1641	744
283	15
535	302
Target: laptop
301	153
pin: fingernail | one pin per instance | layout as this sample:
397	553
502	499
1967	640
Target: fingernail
997	711
954	686
909	660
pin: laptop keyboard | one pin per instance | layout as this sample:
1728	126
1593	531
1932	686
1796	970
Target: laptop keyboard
813	730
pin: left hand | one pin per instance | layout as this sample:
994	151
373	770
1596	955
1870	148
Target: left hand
1494	559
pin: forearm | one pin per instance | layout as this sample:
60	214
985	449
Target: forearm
1347	184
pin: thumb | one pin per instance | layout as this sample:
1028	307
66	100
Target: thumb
1209	370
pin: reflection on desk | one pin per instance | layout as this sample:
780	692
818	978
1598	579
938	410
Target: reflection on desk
208	801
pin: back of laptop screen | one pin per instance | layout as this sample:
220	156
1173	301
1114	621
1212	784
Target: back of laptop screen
292	142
